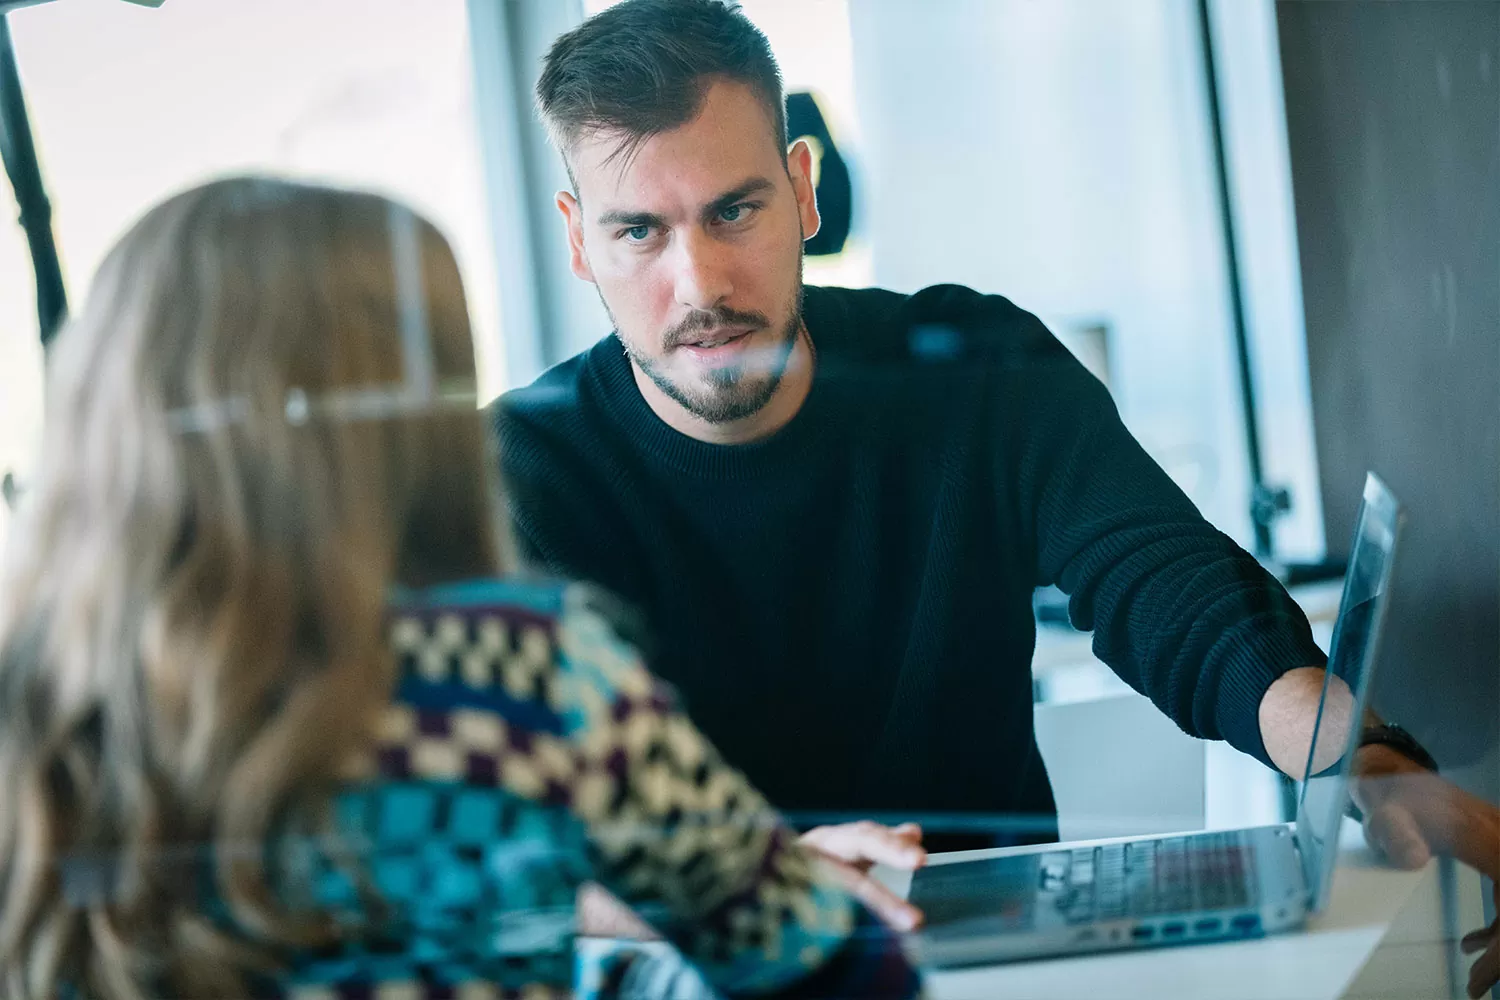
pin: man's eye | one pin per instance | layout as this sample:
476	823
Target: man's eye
734	213
637	234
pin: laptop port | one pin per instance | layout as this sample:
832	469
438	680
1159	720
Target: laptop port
1143	933
1209	926
1249	923
1175	929
1086	935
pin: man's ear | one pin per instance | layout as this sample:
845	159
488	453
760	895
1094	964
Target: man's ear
799	166
572	213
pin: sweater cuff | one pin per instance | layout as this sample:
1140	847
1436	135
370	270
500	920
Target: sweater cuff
1261	651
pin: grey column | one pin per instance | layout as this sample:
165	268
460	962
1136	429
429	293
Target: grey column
546	314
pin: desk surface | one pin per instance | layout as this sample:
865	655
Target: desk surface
1328	959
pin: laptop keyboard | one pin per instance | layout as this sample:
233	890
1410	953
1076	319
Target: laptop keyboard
1113	881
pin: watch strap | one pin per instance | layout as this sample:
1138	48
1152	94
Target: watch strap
1389	734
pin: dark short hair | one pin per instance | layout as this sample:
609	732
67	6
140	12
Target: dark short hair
642	67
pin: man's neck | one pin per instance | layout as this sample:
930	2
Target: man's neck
791	392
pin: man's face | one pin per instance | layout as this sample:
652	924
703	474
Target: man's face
695	245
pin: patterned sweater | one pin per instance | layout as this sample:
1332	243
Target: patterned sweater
528	751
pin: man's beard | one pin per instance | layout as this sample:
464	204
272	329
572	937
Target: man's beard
734	391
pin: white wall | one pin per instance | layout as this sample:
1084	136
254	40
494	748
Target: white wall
1059	153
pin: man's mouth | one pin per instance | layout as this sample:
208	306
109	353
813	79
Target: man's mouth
714	339
717	341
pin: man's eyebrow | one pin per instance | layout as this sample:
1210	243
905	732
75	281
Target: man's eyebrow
632	219
753	186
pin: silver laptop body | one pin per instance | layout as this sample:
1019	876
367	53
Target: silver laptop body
1061	899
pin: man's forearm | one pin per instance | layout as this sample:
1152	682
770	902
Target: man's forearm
1289	713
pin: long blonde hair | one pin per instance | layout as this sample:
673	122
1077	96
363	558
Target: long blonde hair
191	615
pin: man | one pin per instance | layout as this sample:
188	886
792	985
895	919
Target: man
834	506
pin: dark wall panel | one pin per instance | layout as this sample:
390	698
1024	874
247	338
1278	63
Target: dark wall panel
1393	112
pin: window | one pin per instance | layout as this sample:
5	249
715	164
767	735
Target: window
130	104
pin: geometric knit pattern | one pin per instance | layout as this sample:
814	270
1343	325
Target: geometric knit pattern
527	751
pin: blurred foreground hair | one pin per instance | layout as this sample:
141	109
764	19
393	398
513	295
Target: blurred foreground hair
192	630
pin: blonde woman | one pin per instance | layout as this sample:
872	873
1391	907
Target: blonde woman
273	721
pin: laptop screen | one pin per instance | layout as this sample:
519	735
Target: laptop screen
1325	792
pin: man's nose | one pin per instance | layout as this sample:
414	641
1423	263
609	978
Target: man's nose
702	279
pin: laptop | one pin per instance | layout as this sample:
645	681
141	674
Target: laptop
1124	893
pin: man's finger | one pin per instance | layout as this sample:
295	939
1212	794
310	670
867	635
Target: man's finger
1393	832
1485	972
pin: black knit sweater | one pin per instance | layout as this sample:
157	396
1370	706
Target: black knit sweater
846	606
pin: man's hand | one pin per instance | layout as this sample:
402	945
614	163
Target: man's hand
854	848
1412	814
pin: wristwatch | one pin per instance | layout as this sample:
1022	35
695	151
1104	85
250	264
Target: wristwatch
1391	735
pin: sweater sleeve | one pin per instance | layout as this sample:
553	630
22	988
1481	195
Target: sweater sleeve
1178	610
687	842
